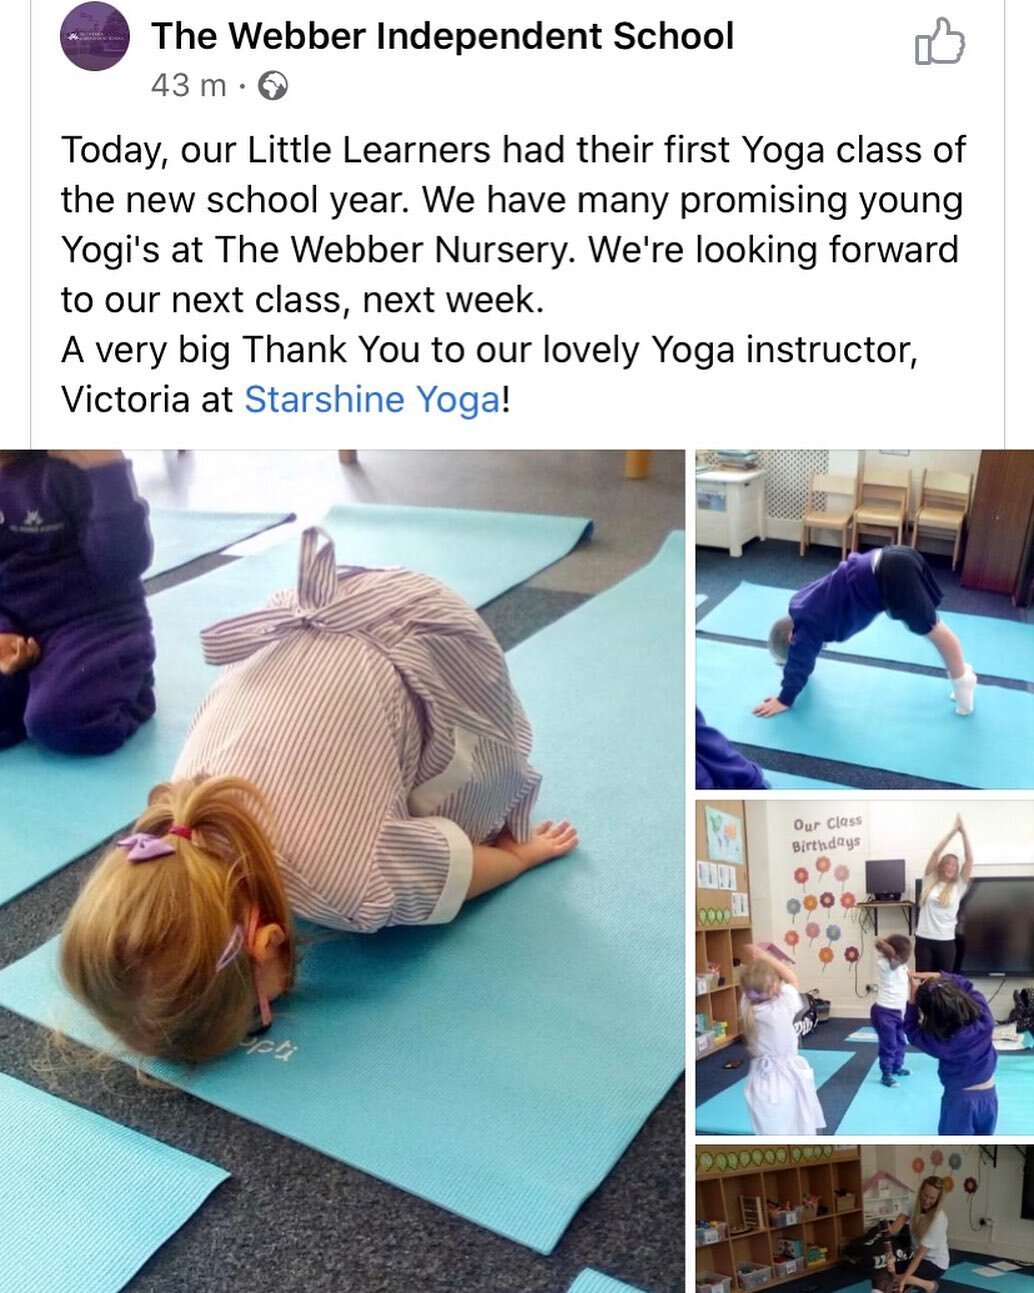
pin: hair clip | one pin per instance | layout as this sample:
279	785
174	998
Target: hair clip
145	848
233	946
184	832
755	996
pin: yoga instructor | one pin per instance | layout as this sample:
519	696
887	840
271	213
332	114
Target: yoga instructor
944	887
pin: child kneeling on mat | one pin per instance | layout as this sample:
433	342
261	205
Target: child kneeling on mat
949	1019
76	649
780	1091
895	579
362	762
888	1013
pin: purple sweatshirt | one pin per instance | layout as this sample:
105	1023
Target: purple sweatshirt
831	609
968	1058
73	544
720	766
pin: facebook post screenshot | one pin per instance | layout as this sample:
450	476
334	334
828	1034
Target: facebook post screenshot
249	228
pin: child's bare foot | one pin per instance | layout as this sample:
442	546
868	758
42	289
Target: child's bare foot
547	841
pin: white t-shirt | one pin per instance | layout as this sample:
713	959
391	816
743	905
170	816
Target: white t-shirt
935	1241
937	920
892	990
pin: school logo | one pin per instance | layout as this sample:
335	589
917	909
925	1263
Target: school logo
33	520
35	524
94	37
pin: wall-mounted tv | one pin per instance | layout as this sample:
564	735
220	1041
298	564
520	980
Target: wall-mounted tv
997	926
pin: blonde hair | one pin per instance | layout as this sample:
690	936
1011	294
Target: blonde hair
140	946
779	639
936	878
922	1221
760	978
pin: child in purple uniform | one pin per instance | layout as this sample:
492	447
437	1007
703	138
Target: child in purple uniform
888	1013
720	766
76	650
949	1019
895	579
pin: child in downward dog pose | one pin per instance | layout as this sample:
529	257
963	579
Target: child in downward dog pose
888	1012
949	1019
895	579
361	762
76	650
781	1093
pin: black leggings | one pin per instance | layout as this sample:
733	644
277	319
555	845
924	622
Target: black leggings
935	954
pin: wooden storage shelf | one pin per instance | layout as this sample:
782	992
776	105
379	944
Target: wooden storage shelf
788	1178
720	936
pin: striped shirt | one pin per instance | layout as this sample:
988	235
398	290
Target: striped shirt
374	710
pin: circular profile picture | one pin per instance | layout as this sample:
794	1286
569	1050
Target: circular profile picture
94	37
272	85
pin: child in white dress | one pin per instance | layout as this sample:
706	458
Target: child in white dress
781	1093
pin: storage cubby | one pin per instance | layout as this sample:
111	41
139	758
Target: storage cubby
738	1180
720	936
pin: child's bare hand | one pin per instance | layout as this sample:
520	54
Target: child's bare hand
84	459
769	707
17	653
547	841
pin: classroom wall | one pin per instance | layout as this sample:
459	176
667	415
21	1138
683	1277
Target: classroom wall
997	1194
812	853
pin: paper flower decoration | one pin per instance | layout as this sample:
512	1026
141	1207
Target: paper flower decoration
954	1161
970	1185
822	865
918	1164
810	902
793	906
851	955
833	933
842	873
936	1157
801	875
827	899
825	956
847	901
948	1184
813	929
791	938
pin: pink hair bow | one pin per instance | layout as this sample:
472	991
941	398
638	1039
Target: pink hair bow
145	848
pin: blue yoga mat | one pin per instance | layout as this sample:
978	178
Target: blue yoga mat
726	1113
912	1108
701	598
787	781
882	718
596	1282
1002	648
499	1066
1005	1282
862	1035
181	536
85	1202
479	554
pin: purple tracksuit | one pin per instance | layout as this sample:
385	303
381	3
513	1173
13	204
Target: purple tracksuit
720	766
964	1060
831	609
73	545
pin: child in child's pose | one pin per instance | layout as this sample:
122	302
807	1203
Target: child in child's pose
781	1093
895	579
949	1019
888	1013
76	650
362	762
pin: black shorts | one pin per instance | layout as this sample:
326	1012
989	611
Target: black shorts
908	589
926	1270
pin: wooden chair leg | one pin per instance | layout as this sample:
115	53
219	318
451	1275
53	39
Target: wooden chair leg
638	463
958	544
804	535
843	543
347	456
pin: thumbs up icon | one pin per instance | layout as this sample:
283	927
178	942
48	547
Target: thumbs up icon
944	46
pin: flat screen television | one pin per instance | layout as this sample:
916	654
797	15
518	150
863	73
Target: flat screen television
996	924
885	878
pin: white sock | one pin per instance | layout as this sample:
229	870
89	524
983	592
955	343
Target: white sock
964	689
